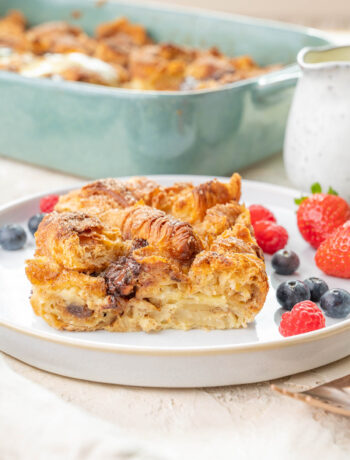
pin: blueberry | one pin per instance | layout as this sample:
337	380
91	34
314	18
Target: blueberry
12	237
285	262
290	293
34	221
317	288
336	303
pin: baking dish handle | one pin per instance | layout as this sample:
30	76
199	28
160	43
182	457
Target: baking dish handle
271	85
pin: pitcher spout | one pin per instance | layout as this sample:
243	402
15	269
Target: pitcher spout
316	58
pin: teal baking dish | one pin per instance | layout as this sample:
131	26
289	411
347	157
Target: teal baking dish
95	131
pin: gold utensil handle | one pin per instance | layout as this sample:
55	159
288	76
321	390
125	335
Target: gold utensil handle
314	401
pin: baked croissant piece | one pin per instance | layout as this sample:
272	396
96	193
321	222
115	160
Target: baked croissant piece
133	255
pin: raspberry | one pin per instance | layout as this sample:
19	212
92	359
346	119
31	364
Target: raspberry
47	203
304	317
259	212
270	236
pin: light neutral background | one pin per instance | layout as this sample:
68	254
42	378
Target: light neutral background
48	417
321	13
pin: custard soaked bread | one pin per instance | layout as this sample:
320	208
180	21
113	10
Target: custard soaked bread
133	255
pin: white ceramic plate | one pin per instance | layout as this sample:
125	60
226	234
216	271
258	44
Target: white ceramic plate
170	358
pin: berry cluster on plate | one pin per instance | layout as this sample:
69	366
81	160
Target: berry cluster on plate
13	236
324	222
299	299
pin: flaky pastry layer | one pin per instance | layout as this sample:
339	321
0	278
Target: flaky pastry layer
133	255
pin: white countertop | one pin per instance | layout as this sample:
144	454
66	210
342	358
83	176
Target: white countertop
46	416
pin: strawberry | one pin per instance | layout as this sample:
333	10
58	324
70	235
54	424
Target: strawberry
333	255
320	214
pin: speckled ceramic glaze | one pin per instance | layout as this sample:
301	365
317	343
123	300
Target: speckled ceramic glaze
97	131
317	143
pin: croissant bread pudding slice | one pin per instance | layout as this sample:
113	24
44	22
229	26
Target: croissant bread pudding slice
133	255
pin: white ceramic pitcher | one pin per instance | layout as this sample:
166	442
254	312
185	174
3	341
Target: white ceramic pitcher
317	141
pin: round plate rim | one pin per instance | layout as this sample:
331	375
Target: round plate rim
215	349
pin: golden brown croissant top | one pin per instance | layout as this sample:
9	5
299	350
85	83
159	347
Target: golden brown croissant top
182	200
102	195
122	27
59	37
12	29
159	229
190	203
113	189
78	241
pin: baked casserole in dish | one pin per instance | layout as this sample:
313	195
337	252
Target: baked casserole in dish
198	119
121	54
